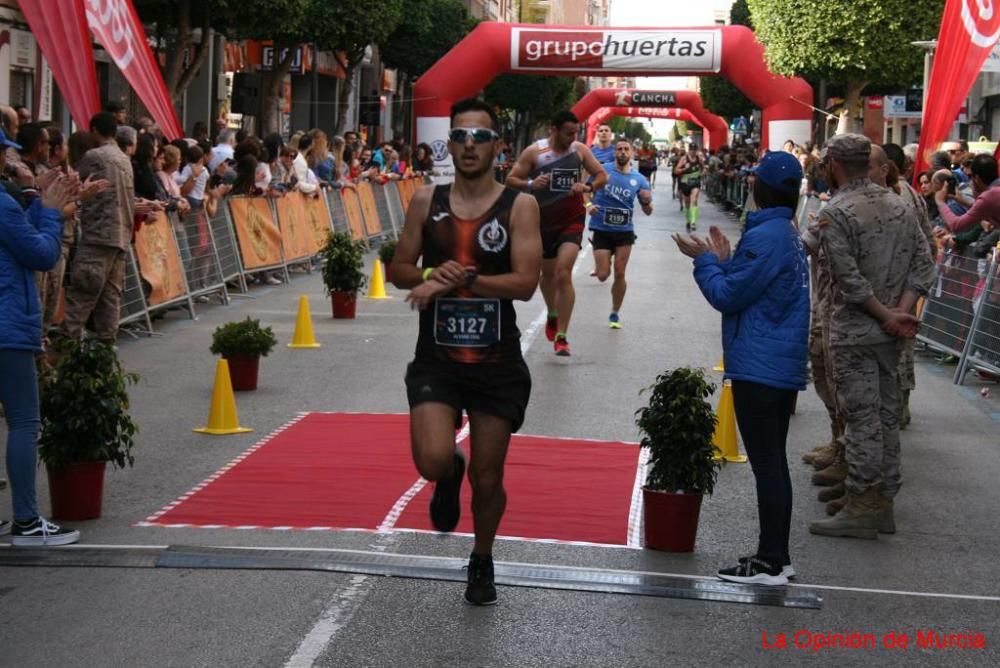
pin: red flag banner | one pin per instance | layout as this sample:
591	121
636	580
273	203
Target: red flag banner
116	26
969	29
60	28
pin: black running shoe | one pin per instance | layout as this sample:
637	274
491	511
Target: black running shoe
446	507
754	571
786	566
481	590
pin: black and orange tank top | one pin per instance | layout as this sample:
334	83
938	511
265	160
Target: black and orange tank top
461	327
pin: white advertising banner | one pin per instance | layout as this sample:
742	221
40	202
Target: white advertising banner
539	49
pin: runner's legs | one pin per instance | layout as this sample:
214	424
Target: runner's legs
565	294
432	439
602	259
621	254
490	438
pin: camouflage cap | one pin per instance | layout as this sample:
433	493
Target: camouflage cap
851	147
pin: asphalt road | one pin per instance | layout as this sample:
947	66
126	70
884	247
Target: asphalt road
937	573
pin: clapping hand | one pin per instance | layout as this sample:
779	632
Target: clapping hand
92	187
692	245
720	243
58	190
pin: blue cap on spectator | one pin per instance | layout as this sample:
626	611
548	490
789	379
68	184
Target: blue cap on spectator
6	142
780	170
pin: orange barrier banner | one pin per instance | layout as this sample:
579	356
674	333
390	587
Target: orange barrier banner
352	207
297	237
373	225
260	240
317	219
406	190
160	260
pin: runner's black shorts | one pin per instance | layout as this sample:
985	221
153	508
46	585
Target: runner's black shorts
609	241
554	236
687	187
500	389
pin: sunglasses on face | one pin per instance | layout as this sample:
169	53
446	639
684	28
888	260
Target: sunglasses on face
479	135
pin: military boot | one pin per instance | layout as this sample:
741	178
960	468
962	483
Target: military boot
819	450
831	493
886	517
834	506
832	474
857	519
827	457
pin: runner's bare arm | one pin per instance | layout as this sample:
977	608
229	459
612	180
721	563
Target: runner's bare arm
593	168
519	173
646	202
405	272
525	256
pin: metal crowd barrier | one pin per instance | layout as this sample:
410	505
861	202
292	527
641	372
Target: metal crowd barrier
982	348
203	255
949	308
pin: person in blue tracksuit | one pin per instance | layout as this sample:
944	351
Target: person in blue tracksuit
30	241
612	225
762	290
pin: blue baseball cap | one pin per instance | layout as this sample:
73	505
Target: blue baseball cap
6	142
780	170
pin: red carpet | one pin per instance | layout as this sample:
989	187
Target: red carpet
328	471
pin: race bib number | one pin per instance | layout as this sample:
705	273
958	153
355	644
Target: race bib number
562	180
467	323
616	217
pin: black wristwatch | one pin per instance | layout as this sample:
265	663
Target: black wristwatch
471	274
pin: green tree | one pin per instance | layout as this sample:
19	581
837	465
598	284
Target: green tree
529	101
717	93
431	29
281	21
856	44
630	129
350	27
175	23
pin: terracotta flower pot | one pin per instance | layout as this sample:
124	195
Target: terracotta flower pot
671	520
76	490
243	371
344	304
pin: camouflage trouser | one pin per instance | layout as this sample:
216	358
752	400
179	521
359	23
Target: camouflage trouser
49	285
95	293
822	377
907	374
868	398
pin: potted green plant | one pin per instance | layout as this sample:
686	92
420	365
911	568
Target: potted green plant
342	273
677	427
386	252
85	424
242	344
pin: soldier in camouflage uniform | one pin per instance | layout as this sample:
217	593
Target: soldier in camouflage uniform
106	221
907	374
880	263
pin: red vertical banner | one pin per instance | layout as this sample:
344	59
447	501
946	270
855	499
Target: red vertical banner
116	26
969	29
60	29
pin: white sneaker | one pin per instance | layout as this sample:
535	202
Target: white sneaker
271	280
42	533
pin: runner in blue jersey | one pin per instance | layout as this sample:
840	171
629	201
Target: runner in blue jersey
611	222
604	148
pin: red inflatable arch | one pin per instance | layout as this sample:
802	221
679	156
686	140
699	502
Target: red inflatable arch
717	130
603	114
497	48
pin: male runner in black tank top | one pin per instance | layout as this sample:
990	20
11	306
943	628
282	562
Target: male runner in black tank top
481	249
549	169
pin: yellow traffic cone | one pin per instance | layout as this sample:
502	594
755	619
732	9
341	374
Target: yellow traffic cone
724	438
721	366
222	418
303	337
377	289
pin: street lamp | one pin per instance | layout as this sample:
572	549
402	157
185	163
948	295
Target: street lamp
928	48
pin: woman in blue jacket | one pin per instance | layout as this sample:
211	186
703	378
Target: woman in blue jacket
29	242
762	291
